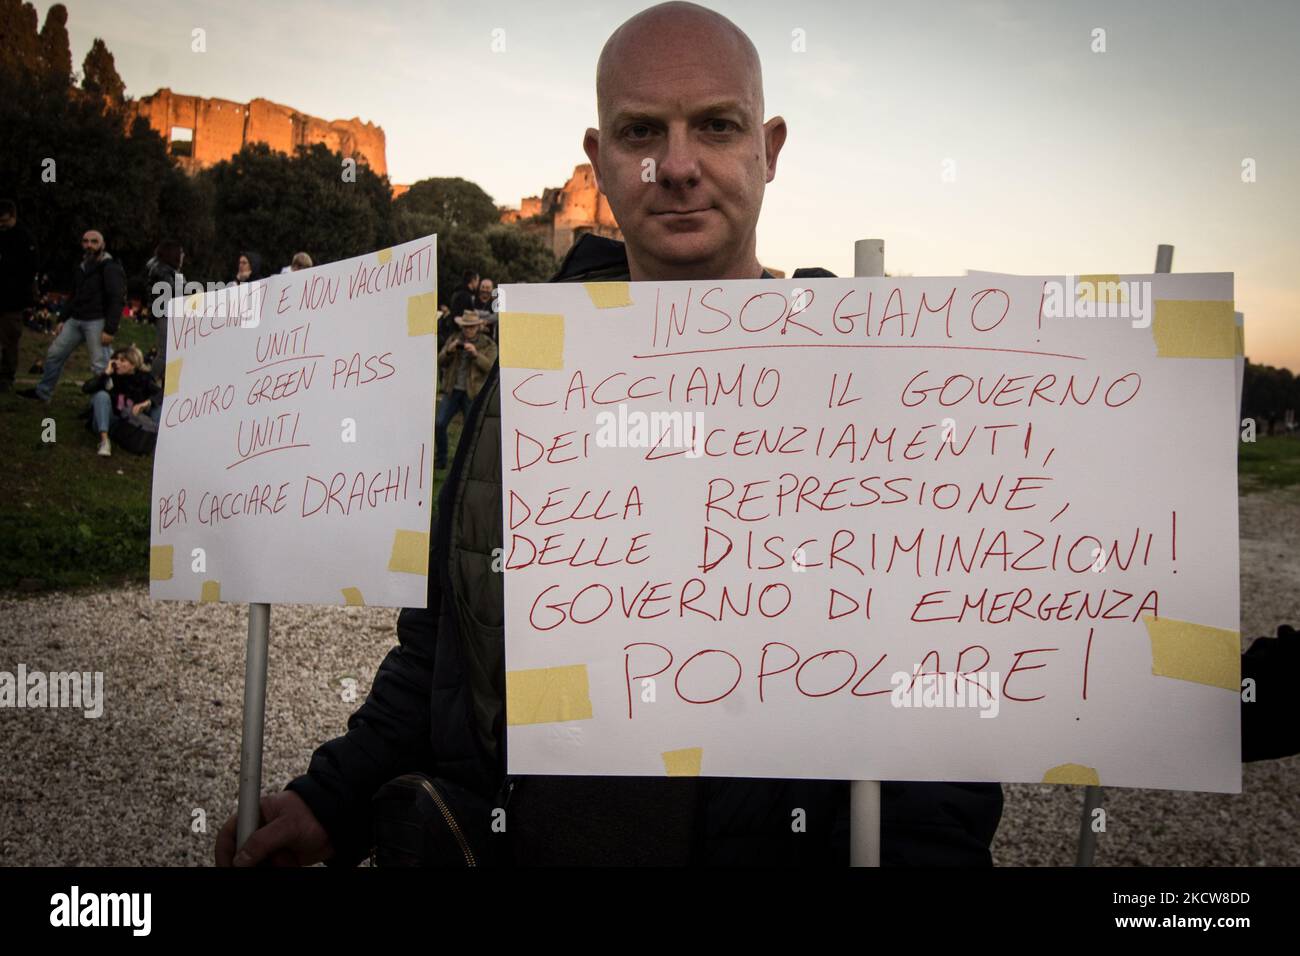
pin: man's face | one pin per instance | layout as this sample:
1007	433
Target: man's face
92	244
470	332
682	152
485	288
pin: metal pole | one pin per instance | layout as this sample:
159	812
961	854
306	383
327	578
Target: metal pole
1092	796
250	750
864	795
1164	258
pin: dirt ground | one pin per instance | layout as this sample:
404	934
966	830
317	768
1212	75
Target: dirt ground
150	781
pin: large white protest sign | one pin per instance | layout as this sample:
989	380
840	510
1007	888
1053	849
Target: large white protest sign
294	451
918	529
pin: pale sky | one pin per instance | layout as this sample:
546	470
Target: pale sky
1066	160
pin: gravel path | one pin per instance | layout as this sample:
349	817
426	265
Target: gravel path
150	781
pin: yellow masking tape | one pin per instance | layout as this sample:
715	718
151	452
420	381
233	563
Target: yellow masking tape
384	256
1073	773
1241	340
609	295
192	303
160	562
531	340
1194	652
352	597
173	376
1105	293
422	314
1195	329
410	552
683	763
211	592
547	695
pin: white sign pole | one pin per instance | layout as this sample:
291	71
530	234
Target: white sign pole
864	795
250	749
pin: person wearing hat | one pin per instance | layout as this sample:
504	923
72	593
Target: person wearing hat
464	363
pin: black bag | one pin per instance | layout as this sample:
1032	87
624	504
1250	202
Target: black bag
131	434
429	821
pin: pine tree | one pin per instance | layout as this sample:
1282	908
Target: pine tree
99	73
56	51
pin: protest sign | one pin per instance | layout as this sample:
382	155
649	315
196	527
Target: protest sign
295	446
919	529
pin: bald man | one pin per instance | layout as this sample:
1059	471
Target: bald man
92	315
683	155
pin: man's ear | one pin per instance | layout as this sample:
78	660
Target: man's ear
773	138
591	146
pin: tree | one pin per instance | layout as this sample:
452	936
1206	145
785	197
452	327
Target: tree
20	43
1268	393
453	203
72	166
519	256
100	73
278	205
56	51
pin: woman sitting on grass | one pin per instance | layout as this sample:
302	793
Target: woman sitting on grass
124	402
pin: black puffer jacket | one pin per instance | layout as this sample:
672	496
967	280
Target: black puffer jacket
99	292
437	706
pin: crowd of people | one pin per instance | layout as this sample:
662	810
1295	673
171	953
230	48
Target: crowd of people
125	386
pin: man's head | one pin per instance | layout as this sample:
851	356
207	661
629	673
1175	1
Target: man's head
470	324
92	244
8	214
470	278
485	287
682	153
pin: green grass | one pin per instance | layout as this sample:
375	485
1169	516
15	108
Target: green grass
71	519
1269	463
68	518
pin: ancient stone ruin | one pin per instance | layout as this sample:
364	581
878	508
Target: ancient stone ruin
202	131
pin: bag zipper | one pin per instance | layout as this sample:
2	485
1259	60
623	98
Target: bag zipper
451	821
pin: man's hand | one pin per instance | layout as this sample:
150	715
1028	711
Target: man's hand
105	338
58	328
471	350
140	408
290	835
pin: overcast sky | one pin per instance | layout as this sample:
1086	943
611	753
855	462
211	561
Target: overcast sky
1066	160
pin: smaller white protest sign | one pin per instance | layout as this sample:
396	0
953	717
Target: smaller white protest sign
294	459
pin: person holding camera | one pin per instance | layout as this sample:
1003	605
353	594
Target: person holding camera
124	401
463	363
